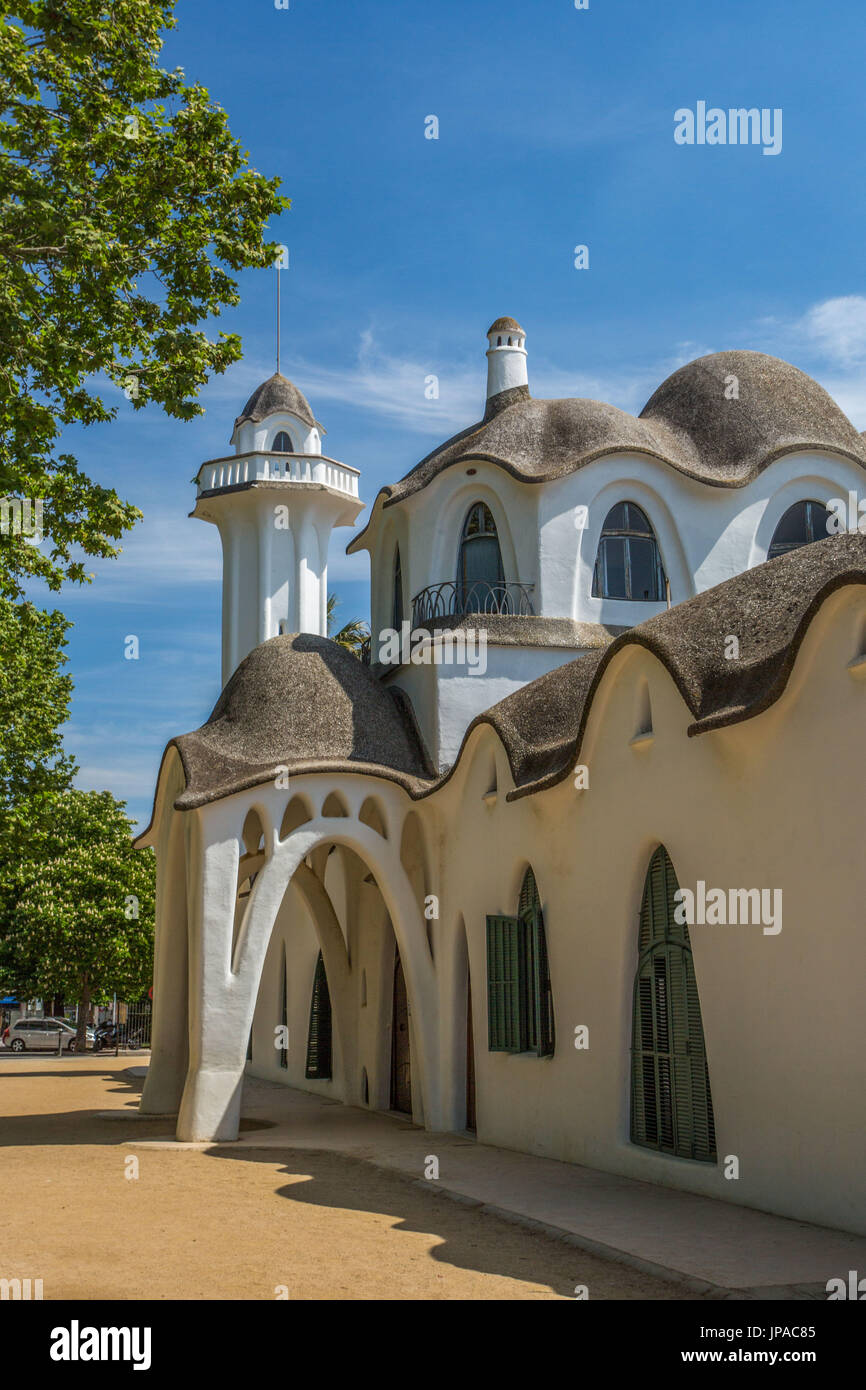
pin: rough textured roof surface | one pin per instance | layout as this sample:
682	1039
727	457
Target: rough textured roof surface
299	702
305	703
768	608
690	423
505	325
275	395
777	408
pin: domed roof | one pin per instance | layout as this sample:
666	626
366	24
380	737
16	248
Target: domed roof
273	396
505	325
299	702
731	413
693	422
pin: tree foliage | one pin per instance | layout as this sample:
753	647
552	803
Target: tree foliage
35	770
352	635
125	204
84	916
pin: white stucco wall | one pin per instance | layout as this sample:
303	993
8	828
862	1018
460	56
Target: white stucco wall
774	802
446	698
705	535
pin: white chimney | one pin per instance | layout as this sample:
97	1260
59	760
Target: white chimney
506	357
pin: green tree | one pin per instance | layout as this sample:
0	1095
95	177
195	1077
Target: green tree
35	770
125	204
352	635
84	919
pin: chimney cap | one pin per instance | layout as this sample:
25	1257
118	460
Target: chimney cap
505	325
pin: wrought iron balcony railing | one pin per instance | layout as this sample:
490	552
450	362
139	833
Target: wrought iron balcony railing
451	598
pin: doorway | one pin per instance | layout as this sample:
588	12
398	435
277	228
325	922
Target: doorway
401	1066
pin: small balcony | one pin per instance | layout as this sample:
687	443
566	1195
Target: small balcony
256	467
455	599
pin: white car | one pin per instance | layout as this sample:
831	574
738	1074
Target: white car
41	1035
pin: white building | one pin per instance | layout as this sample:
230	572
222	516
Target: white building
452	886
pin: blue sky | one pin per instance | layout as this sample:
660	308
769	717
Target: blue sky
555	129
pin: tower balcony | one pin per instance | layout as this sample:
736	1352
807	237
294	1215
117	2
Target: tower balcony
258	467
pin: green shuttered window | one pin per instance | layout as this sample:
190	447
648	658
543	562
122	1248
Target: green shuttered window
319	1040
504	1014
672	1108
519	994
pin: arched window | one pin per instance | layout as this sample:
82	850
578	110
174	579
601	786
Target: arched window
480	578
282	444
397	597
628	564
803	523
519	993
672	1108
318	1066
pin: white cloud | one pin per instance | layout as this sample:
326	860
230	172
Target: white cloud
394	388
837	329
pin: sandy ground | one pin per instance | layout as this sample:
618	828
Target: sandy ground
212	1224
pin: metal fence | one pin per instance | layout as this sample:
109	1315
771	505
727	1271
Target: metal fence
133	1025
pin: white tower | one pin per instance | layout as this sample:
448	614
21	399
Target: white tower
506	357
275	502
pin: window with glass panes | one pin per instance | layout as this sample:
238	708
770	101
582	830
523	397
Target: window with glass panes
628	564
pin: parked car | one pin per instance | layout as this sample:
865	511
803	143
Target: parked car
40	1035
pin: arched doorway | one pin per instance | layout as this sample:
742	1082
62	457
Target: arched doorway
401	1060
210	1106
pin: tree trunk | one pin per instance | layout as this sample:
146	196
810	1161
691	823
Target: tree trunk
83	1014
58	1007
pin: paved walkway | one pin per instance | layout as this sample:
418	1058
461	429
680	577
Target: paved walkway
711	1246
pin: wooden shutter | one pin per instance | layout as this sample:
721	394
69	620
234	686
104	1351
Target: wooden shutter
318	1066
537	994
672	1106
504	1014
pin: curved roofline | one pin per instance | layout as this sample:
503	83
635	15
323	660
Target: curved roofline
690	423
718	719
760	683
605	451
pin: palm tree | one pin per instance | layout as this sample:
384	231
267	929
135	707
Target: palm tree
352	635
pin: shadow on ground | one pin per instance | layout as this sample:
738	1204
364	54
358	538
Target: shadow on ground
470	1239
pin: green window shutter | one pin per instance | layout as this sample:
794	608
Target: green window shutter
318	1066
504	1013
537	991
671	1104
644	1109
703	1122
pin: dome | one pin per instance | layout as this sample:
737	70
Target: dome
777	408
505	325
691	423
300	702
273	396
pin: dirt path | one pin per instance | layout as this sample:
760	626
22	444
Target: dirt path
215	1224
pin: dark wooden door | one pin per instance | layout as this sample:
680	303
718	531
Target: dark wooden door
470	1060
401	1069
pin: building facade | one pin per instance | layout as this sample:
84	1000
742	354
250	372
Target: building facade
578	867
